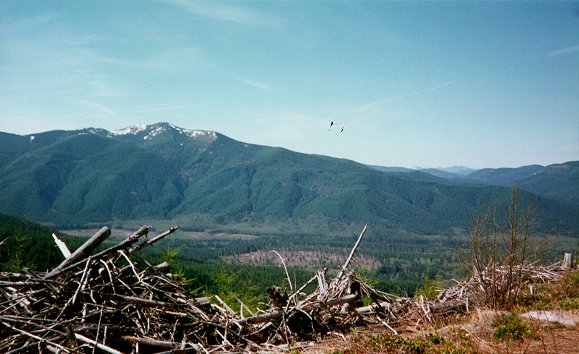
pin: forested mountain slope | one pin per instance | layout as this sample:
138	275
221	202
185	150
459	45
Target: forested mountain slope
165	172
558	181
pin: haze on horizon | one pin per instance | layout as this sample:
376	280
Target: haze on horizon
429	84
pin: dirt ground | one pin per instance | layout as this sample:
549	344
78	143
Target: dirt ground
475	337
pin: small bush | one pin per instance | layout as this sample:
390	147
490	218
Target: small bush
511	327
430	288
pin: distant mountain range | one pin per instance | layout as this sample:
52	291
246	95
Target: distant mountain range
557	181
163	172
444	172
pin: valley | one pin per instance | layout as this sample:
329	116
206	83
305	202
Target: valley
236	202
206	181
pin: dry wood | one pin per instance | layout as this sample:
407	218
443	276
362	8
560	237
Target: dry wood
96	344
84	250
110	302
61	246
566	261
347	263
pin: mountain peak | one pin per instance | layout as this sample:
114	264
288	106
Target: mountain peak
133	129
150	131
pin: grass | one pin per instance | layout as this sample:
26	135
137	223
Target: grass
455	343
560	295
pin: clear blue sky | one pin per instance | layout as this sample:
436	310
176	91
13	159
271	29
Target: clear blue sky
430	84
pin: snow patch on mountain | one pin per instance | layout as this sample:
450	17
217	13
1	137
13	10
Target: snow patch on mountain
133	129
200	133
154	130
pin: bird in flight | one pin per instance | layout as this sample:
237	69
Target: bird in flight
332	124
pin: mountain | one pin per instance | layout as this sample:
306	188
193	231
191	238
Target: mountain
457	170
557	181
163	172
454	172
392	168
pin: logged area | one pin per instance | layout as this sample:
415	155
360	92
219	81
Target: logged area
109	301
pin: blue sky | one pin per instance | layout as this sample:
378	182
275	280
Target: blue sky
430	84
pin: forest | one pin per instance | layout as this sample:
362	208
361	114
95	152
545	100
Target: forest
213	262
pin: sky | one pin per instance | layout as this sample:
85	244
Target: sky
429	84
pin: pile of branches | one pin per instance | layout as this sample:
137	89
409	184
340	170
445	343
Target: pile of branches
101	301
495	285
106	302
109	302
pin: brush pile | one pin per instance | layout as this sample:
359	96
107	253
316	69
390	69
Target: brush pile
494	285
107	302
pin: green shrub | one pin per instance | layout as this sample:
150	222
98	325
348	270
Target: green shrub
511	327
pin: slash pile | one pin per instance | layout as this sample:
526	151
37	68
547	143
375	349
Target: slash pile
494	281
106	302
100	300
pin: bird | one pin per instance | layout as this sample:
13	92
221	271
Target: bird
341	131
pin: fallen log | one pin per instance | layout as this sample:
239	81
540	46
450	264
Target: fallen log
143	230
162	344
83	251
280	313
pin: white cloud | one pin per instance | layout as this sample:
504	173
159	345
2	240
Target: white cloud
227	12
564	51
399	97
251	82
100	109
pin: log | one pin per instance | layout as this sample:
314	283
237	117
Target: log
61	246
341	300
372	309
141	301
566	261
96	344
162	268
261	318
151	342
153	240
143	230
83	251
277	314
161	344
449	306
347	263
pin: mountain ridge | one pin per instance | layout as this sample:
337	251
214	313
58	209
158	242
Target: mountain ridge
558	181
543	180
162	171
